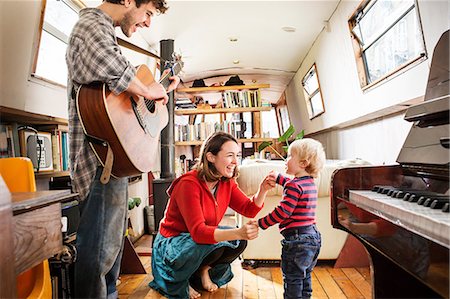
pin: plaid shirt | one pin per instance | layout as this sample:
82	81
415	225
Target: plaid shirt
92	55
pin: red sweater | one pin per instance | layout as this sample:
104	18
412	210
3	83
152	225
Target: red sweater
192	208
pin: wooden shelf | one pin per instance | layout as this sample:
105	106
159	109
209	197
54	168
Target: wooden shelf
51	174
199	142
221	88
221	110
23	117
16	118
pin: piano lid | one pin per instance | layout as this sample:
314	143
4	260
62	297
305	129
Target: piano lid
438	79
426	148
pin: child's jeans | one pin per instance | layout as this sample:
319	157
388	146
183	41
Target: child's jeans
301	246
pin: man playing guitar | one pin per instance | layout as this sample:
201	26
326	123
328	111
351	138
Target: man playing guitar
94	55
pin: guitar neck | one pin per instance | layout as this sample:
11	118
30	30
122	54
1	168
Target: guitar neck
165	79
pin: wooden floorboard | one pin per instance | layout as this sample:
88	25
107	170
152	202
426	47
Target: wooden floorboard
318	291
259	283
262	283
328	284
277	279
347	287
359	281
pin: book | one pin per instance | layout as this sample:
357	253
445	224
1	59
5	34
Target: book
65	151
3	142
56	152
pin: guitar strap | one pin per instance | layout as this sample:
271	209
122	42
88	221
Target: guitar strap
106	173
107	167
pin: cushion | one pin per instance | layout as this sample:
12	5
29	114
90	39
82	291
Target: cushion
252	172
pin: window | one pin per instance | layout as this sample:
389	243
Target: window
283	119
58	20
269	119
313	95
387	37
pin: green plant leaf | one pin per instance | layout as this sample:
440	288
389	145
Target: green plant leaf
300	135
285	148
287	134
263	145
137	201
131	203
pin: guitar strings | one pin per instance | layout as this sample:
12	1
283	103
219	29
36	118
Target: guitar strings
150	104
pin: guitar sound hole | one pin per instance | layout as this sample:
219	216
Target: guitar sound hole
150	105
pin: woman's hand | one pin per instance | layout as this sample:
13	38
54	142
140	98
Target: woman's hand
267	183
273	175
249	231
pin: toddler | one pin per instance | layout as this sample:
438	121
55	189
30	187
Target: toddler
296	215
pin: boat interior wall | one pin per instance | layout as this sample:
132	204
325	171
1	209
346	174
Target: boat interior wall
376	141
207	50
343	98
356	122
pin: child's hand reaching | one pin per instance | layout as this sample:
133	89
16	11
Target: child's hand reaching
267	183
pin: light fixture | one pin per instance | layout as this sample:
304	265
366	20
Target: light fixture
236	61
233	39
326	25
288	29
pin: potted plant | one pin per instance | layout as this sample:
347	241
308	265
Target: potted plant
283	138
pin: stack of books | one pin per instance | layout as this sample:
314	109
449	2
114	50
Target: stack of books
184	103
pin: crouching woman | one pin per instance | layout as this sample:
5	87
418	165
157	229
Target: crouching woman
192	253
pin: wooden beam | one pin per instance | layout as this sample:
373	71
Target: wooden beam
135	48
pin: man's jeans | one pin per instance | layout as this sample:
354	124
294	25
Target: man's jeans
299	256
100	238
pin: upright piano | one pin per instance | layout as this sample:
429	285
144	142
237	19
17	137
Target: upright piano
400	213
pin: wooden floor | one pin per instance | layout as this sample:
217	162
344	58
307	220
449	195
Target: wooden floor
262	282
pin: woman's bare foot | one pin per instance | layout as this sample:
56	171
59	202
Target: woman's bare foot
193	293
206	280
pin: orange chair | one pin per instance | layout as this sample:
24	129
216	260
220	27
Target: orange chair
18	174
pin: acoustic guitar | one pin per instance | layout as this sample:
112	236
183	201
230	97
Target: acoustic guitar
123	130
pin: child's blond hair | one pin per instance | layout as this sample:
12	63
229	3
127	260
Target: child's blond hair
310	150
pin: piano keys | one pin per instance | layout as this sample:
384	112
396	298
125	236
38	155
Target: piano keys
434	224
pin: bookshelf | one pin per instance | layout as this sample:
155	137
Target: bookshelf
221	88
221	110
237	99
240	140
12	119
242	103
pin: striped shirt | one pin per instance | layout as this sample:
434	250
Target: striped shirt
92	55
298	205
